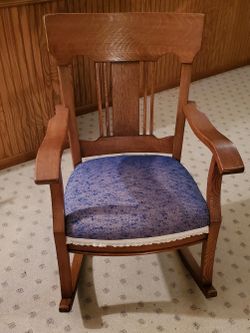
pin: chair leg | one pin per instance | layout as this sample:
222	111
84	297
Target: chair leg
203	274
195	271
68	276
66	303
208	254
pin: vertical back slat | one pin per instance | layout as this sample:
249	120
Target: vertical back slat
125	96
152	86
99	96
67	99
106	94
145	97
180	118
110	94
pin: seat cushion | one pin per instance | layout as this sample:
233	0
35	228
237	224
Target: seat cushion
132	196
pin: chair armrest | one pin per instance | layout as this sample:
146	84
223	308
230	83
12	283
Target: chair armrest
48	158
225	153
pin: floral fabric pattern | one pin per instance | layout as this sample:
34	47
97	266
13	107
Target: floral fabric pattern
136	196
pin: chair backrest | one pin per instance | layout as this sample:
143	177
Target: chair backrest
125	48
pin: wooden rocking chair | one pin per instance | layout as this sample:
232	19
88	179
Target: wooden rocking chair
124	203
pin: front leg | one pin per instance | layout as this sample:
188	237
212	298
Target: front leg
214	206
68	275
203	274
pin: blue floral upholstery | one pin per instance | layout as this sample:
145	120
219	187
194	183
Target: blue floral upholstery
132	196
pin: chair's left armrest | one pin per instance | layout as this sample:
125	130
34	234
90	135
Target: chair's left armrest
48	160
225	153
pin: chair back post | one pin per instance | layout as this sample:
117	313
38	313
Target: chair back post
186	70
67	99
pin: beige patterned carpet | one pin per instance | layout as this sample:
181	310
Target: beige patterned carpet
151	293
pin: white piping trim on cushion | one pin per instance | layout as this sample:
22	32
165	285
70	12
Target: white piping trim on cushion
137	241
95	157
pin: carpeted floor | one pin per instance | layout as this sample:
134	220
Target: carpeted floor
150	293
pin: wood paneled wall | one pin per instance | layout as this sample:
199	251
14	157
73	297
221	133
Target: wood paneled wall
28	75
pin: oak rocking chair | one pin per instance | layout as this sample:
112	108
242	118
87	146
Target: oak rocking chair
136	199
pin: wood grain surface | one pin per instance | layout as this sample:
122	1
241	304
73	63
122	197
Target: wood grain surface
125	101
9	3
29	86
140	36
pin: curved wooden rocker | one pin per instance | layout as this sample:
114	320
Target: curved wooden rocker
125	48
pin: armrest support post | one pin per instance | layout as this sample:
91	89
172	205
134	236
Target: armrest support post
214	192
57	198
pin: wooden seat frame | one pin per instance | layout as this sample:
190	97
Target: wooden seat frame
125	48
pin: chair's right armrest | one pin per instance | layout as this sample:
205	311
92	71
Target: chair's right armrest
48	160
226	155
